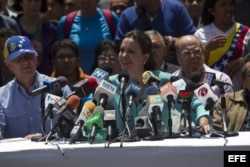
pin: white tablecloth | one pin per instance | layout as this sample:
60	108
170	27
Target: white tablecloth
181	152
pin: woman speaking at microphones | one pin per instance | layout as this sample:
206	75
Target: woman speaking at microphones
136	58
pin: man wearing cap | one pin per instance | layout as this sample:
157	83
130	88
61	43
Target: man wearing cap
20	112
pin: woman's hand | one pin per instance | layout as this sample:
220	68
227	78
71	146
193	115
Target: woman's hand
216	42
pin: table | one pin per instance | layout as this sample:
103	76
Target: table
190	152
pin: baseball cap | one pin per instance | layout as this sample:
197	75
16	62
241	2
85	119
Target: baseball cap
17	45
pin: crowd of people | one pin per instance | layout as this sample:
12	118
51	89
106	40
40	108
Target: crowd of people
157	39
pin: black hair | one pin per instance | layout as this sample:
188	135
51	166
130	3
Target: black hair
7	32
102	46
17	7
206	16
146	46
65	43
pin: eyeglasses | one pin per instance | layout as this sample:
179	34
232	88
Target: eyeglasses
107	58
62	57
195	52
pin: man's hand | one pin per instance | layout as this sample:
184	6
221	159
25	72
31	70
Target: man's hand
204	125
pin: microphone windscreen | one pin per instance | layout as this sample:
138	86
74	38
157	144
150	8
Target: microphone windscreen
196	76
107	68
152	90
63	81
123	74
92	85
90	105
174	78
98	109
73	101
57	92
190	86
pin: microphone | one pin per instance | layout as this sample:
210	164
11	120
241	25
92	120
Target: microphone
67	109
174	78
104	92
208	98
84	87
101	74
50	100
95	122
179	85
123	78
196	77
185	97
86	112
155	103
109	122
208	77
205	94
142	125
149	78
220	83
203	77
66	118
155	106
107	68
132	91
169	93
50	85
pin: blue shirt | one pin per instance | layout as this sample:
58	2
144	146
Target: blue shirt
172	19
20	113
196	105
87	33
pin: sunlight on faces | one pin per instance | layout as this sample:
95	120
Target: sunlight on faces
131	57
190	54
24	64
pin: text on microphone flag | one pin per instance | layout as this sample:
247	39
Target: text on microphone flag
155	99
99	75
109	87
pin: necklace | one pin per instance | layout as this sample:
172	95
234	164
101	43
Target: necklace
151	16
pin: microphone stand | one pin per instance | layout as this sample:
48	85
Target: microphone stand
170	122
155	124
226	133
43	120
42	105
126	127
210	108
123	107
186	107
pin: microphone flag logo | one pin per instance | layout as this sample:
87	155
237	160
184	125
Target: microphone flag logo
202	91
